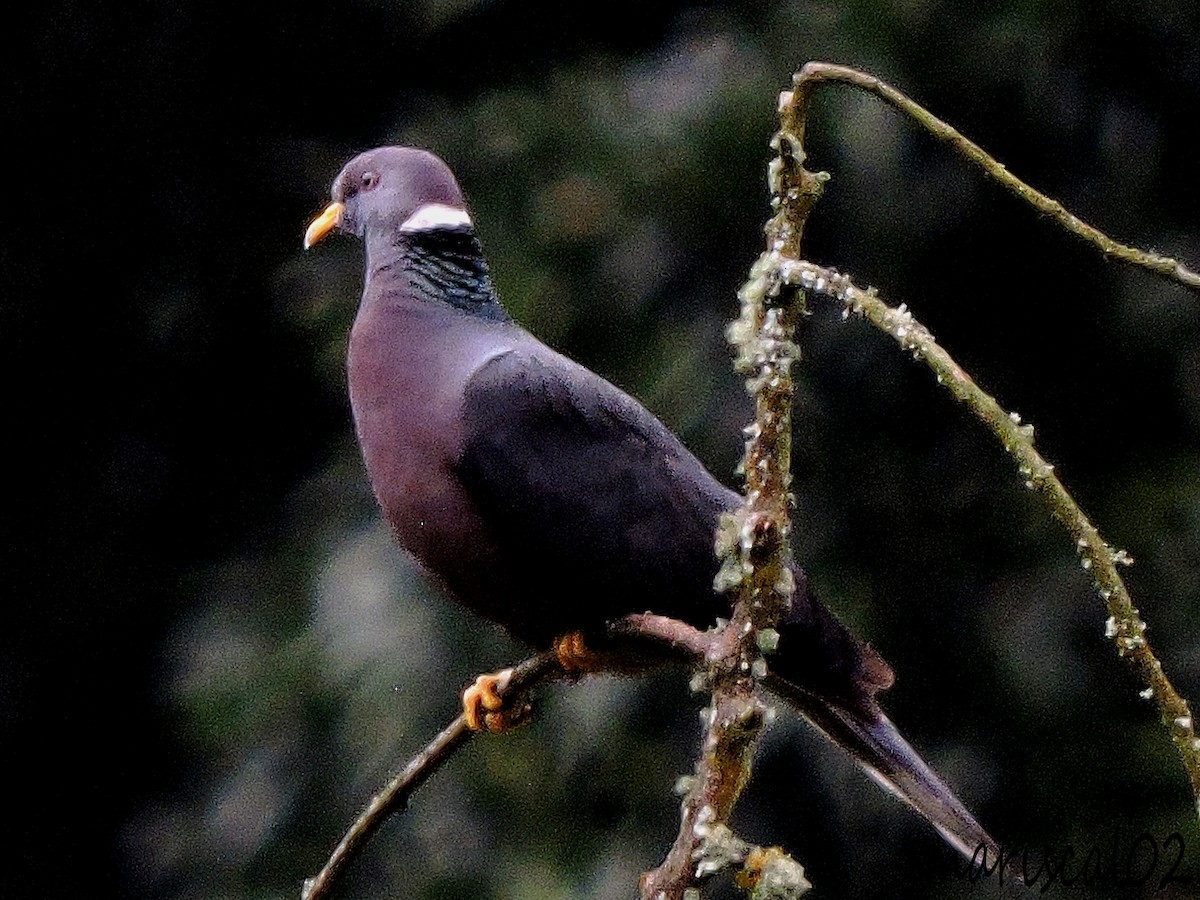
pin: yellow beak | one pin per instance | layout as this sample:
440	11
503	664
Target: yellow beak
329	219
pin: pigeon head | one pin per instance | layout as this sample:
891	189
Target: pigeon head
392	191
421	244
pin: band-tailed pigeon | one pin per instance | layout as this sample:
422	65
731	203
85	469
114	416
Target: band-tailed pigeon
541	496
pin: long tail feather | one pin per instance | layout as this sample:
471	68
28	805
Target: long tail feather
876	744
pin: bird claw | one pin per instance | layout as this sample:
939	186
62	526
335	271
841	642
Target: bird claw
576	657
486	710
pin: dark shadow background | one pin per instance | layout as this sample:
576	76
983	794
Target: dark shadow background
212	653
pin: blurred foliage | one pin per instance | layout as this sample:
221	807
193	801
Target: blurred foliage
201	576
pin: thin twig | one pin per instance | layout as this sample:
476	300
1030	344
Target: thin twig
671	635
1099	559
815	73
395	796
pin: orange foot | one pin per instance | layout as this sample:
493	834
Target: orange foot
484	708
576	657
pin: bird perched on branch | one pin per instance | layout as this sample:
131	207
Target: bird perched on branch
541	496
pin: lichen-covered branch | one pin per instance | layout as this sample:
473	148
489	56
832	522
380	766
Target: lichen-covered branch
752	543
1100	560
1124	624
815	73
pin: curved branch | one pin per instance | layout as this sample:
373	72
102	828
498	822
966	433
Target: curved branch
395	796
1100	560
815	73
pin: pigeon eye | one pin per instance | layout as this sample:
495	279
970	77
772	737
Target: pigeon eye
369	180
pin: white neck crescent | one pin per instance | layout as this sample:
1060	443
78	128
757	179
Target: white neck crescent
436	215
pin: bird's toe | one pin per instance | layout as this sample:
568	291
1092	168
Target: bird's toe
485	709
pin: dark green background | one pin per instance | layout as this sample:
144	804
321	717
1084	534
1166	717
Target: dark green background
212	654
